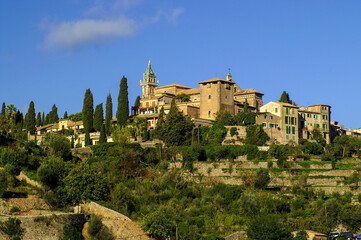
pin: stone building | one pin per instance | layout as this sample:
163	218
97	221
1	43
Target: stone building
201	104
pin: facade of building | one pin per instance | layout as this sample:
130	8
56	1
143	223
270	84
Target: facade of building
202	103
294	122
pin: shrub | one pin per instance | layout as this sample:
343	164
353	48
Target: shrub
262	178
233	131
70	232
12	227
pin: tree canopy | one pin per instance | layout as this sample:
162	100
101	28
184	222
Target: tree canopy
123	103
30	120
88	111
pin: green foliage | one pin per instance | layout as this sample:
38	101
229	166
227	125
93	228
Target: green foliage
342	141
30	120
160	127
262	178
88	111
60	147
311	147
12	227
301	235
123	103
53	116
65	115
88	141
224	118
256	135
97	230
108	115
71	232
76	117
3	183
39	121
177	128
267	227
159	223
103	136
217	133
280	152
98	117
285	98
85	182
233	131
52	171
183	97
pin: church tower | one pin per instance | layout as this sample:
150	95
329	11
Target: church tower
149	82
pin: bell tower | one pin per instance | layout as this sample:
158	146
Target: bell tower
149	82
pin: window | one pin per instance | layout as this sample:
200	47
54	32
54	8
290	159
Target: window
308	115
147	104
208	85
292	120
314	116
270	117
265	116
293	111
276	109
209	113
264	124
293	130
293	138
286	110
209	96
287	138
286	120
226	97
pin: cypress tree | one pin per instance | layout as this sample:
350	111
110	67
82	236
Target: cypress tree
3	110
159	129
103	136
43	120
98	117
285	98
88	111
30	120
108	115
65	115
38	119
123	103
47	119
137	103
53	115
87	138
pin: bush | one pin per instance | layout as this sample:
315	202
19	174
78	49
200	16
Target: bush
70	232
233	131
97	230
12	227
262	178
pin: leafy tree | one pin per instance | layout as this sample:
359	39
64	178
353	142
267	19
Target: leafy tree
30	120
108	115
280	152
98	117
97	230
159	223
256	135
52	172
76	117
285	98
225	118
267	227
71	232
65	115
12	228
262	178
60	146
183	97
103	136
39	121
88	111
344	142
123	103
217	133
85	182
177	129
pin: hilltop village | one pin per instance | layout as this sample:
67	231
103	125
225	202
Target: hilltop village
283	122
211	163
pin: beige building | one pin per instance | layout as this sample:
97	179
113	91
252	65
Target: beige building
294	122
287	116
202	103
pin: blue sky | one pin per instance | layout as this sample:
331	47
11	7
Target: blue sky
52	51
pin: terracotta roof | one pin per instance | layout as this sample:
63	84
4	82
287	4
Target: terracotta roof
247	91
283	104
319	105
191	91
174	85
216	80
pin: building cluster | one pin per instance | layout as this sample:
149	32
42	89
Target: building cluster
283	122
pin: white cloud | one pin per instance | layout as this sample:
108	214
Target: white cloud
74	35
173	17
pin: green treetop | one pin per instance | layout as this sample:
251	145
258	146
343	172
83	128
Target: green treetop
88	111
103	136
30	120
98	117
108	115
65	115
53	115
38	120
123	103
3	110
285	98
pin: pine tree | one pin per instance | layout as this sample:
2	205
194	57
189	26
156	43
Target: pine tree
3	110
30	120
38	120
65	115
108	115
285	98
88	111
123	103
98	117
103	136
